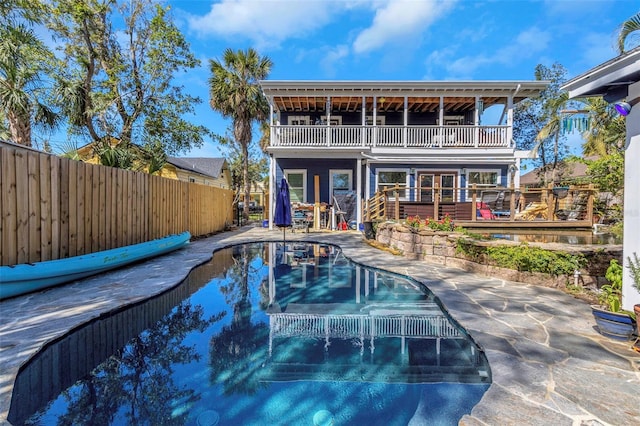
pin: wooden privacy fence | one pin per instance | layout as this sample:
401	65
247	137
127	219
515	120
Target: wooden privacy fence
54	208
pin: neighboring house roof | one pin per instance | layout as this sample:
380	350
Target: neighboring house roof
574	170
206	166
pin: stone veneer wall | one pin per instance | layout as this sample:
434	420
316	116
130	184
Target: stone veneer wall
440	248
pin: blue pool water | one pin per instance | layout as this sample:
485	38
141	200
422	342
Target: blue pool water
263	334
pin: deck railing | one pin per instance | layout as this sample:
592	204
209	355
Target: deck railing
481	204
391	136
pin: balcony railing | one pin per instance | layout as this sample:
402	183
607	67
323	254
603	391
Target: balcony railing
392	136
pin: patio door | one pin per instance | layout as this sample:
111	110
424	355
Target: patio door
425	187
448	184
446	181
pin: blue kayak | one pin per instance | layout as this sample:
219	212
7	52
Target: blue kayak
25	278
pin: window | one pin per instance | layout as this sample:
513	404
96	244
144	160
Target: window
391	178
299	120
339	182
297	185
482	178
453	120
335	120
379	120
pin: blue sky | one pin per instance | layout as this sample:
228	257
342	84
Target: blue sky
397	40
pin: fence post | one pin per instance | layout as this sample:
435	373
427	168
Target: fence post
550	202
590	204
474	206
436	201
512	203
396	193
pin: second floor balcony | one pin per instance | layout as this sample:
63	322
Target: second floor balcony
395	115
347	136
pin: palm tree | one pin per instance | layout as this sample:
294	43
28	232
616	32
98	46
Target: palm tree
629	26
22	57
606	133
235	93
552	129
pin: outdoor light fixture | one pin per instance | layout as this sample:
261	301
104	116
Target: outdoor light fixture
623	108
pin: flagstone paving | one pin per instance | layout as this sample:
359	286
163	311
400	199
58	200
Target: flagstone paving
549	365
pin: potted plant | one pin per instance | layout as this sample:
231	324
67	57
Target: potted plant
611	320
634	267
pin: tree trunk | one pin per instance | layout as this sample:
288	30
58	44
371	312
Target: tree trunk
20	128
245	179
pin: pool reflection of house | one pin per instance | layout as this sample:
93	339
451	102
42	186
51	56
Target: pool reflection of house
372	326
342	141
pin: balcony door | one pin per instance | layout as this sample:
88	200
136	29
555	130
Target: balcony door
446	182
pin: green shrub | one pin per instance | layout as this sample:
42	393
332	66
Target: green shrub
470	250
525	258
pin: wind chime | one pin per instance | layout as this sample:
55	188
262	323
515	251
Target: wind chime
575	121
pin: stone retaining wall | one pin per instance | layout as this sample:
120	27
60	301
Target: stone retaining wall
440	248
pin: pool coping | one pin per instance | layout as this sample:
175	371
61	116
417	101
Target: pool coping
549	365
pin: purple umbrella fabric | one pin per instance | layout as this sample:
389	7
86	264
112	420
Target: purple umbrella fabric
282	218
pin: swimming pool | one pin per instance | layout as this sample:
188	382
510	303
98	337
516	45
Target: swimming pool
263	334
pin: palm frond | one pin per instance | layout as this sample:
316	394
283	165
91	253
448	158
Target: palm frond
629	26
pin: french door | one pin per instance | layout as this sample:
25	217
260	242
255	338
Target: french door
446	182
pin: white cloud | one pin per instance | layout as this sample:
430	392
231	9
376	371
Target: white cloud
399	21
266	23
525	45
332	57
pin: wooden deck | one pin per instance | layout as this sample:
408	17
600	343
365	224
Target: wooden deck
510	208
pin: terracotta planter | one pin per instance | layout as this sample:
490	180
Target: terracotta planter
613	324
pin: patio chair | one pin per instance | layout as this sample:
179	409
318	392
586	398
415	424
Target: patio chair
534	210
484	208
575	210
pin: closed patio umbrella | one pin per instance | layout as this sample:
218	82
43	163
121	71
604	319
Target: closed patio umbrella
282	217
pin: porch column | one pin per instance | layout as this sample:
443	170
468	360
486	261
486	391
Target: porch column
509	120
272	177
271	132
364	121
405	131
375	114
367	182
328	108
476	123
359	218
441	121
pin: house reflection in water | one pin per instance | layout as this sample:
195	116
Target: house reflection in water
331	319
